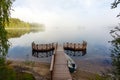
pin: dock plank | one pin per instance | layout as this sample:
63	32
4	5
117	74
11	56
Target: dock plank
60	68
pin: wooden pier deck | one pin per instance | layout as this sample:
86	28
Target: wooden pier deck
59	69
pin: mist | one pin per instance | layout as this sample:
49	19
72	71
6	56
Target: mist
66	13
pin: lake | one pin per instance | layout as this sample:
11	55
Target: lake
98	48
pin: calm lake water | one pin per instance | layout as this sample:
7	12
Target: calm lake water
98	47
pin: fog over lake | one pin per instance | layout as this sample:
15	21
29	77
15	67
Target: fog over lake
65	21
97	39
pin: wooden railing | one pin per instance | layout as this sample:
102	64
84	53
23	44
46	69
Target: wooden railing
43	47
53	61
75	46
52	65
56	55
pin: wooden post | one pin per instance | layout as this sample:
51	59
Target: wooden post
70	45
37	50
67	45
79	46
52	46
84	44
74	46
63	45
33	46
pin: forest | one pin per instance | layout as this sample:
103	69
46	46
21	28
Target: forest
17	27
17	23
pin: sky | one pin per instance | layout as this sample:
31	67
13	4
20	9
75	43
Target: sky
66	13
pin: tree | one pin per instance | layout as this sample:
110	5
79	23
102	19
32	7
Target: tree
115	3
5	7
116	47
116	53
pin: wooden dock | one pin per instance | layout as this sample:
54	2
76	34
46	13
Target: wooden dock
38	48
59	69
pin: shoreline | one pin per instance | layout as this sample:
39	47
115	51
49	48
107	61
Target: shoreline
85	69
40	70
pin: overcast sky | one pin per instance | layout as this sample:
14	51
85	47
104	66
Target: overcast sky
66	13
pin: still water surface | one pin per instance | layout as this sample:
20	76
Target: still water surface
97	39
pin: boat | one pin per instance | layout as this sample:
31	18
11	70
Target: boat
71	64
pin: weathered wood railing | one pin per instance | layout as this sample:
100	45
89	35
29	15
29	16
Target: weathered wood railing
43	47
53	61
75	46
42	50
52	65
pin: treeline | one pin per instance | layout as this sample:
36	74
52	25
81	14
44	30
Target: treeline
17	27
17	23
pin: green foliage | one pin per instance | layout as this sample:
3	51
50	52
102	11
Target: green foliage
7	73
5	7
4	45
17	23
25	76
2	61
116	47
16	28
116	52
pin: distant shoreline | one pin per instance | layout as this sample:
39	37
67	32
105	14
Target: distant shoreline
17	28
23	28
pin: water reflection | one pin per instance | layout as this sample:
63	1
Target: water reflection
97	48
75	53
14	33
43	54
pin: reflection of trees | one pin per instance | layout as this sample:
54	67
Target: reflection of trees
13	33
17	27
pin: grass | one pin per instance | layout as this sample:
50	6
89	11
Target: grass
24	76
8	73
